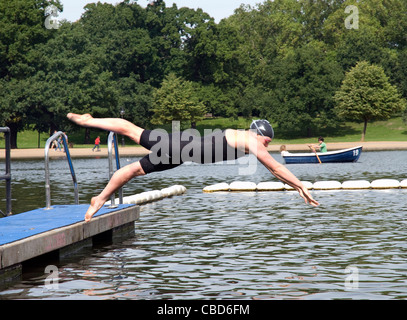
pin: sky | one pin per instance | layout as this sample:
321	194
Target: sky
217	9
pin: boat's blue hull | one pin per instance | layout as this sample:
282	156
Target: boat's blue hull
347	155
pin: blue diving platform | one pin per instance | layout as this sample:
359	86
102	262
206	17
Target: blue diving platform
58	228
34	233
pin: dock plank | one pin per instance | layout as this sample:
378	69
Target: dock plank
33	233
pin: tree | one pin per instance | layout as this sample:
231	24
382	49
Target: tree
216	102
367	95
399	74
269	30
70	77
135	99
176	101
22	28
302	85
315	14
381	25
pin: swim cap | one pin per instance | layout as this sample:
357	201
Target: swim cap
263	127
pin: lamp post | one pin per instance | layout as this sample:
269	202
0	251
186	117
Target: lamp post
122	116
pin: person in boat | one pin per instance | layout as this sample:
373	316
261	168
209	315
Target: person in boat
283	151
321	146
169	150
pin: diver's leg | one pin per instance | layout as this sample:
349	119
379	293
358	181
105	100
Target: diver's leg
117	125
119	179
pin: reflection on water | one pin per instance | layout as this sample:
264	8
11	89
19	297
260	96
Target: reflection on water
265	245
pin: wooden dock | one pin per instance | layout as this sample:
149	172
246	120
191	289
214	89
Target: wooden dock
35	233
61	229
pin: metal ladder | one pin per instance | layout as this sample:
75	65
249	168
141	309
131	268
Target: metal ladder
7	175
47	180
112	140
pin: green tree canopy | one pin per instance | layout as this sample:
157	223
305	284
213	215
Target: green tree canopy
280	59
367	95
303	84
21	30
176	101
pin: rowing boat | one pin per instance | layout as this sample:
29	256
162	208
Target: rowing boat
344	155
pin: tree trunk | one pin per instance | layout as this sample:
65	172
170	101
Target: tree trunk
309	132
52	128
364	130
13	134
87	136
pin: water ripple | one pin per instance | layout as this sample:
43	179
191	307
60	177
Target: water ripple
241	245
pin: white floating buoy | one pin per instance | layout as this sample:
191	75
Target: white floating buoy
270	186
174	190
327	185
144	197
243	186
356	184
217	187
167	192
307	184
385	184
150	196
178	189
157	195
138	199
126	200
130	200
319	185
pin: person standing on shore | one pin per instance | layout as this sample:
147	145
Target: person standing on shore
59	144
97	144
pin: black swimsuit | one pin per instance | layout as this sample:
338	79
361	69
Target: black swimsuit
171	150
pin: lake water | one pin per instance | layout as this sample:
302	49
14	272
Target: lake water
265	245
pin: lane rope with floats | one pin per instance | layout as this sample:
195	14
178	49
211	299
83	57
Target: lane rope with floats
244	186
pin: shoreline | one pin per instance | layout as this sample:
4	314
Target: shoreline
34	153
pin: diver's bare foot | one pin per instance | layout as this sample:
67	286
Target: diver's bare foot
95	205
80	119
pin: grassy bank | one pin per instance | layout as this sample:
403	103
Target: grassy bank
390	130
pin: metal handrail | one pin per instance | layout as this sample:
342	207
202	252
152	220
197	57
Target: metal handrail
7	175
47	180
112	139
